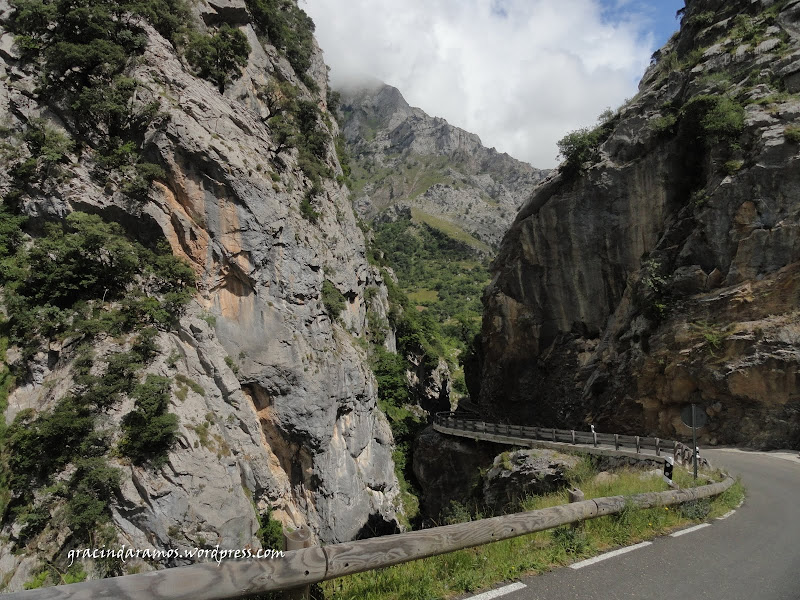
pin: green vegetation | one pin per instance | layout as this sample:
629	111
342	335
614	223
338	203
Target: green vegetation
191	383
700	20
445	280
62	285
452	231
732	167
713	334
582	146
301	124
289	29
333	300
653	298
220	57
270	531
149	430
83	50
473	569
82	278
792	134
36	448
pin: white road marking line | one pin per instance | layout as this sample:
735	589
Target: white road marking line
689	530
726	515
597	559
496	593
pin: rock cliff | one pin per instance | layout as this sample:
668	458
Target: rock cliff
275	400
403	157
659	266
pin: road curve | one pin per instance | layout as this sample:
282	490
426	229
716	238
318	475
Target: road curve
753	555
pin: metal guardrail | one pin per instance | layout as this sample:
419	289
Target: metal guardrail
298	568
681	452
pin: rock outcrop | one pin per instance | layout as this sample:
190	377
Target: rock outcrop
516	475
659	267
281	413
403	157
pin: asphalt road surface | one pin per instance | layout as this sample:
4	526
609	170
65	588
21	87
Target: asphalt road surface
752	555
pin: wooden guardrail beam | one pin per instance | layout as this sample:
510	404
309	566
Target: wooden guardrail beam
233	580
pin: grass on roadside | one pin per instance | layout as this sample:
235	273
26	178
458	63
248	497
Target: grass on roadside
473	569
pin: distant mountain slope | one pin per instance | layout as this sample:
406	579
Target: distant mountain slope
403	157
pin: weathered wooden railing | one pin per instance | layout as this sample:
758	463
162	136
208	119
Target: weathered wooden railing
240	579
444	421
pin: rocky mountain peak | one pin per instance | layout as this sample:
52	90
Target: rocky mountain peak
407	158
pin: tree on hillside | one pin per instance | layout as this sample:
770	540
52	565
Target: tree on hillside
220	57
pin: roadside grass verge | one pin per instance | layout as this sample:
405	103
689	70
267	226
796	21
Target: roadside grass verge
473	569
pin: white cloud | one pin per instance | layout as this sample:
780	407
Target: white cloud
519	73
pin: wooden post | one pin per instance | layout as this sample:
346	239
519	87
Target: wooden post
638	445
296	540
575	495
616	441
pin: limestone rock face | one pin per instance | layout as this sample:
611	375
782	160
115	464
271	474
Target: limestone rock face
448	469
663	271
288	416
403	157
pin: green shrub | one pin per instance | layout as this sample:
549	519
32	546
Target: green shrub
664	125
333	300
579	147
149	431
37	580
196	387
700	20
220	57
732	166
270	531
390	374
144	174
307	210
92	486
792	134
724	117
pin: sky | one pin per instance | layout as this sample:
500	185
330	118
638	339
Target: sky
519	73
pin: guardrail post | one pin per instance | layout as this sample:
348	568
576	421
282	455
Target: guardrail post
638	445
554	434
573	436
576	495
658	447
594	437
297	540
536	433
616	441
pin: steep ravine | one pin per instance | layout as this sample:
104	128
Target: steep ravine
280	410
659	266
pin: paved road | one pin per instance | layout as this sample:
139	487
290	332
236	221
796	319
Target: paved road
752	555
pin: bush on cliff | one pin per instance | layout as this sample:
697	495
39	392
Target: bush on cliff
220	57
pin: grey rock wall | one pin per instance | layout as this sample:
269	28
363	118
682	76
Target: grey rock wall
288	419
